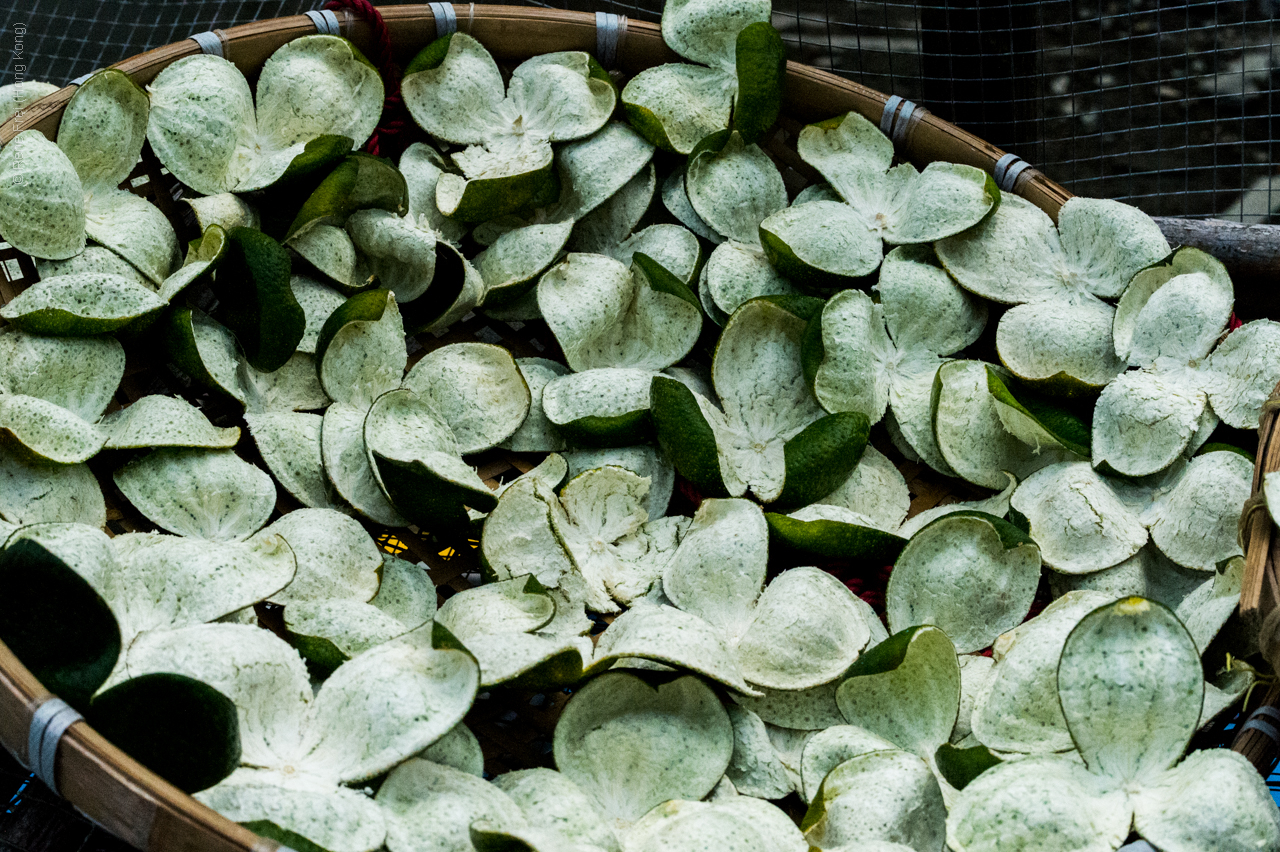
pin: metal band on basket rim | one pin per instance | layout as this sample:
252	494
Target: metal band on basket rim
896	118
610	30
1255	723
446	19
210	42
48	724
1007	171
326	22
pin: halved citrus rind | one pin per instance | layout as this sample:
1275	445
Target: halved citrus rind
415	456
889	796
822	245
615	218
513	262
734	187
603	406
1176	309
1241	372
204	256
1036	421
671	247
834	532
1205	610
1077	518
165	421
973	576
290	446
422	799
848	151
360	351
1161	692
735	274
738	821
642	459
970	436
943	200
336	557
832	746
605	314
93	259
675	198
39	492
313	86
37	366
676	106
1148	573
348	467
80	305
293	387
875	489
1063	347
1019	709
49	432
996	505
623	711
477	388
536	433
1196	522
1144	421
330	632
518	605
855	347
595	169
18	96
359	182
329	251
224	209
42	203
1060	804
893	676
208	494
923	306
756	768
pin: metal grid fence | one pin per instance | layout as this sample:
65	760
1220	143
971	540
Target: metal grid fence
1166	104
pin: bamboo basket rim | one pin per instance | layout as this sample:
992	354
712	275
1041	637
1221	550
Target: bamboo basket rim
137	805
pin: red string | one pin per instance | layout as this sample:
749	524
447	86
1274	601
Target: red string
395	119
1234	322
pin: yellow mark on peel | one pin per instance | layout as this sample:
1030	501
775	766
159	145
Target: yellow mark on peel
1133	606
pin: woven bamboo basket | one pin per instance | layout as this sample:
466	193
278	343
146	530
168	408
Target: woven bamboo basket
514	728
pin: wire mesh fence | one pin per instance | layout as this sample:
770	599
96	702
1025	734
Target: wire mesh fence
1166	105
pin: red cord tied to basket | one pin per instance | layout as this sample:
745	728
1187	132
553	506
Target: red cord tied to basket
389	137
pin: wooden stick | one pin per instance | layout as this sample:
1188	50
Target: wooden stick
1247	250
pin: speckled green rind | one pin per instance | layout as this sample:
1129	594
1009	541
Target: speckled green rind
552	802
204	256
512	263
835	533
675	198
399	250
1148	573
943	200
519	605
537	433
968	430
1212	800
430	807
415	458
207	494
224	209
48	432
42	204
330	252
1175	309
477	388
360	351
518	539
1158	690
997	504
289	443
677	735
851	357
1019	710
822	245
733	275
308	815
133	228
614	219
1077	518
1035	421
205	351
56	623
600	407
594	169
889	678
167	582
1242	371
37	492
755	769
1063	347
848	151
829	748
606	315
103	127
37	366
718	571
84	549
1205	610
707	32
671	247
93	259
330	632
1045	803
731	824
675	106
888	796
1144	421
165	421
458	749
973	576
1197	523
668	635
360	182
259	307
336	557
685	435
16	97
875	490
1108	242
734	187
